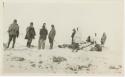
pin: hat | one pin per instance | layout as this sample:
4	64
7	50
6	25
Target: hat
31	23
15	20
52	25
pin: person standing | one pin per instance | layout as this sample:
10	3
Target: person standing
96	39
88	39
97	43
43	34
51	36
77	40
13	32
73	34
103	39
30	34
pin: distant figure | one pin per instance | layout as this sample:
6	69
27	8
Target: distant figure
13	33
51	36
97	44
43	33
73	34
77	40
88	39
103	39
30	34
95	38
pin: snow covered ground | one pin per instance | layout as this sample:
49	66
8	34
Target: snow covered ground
61	61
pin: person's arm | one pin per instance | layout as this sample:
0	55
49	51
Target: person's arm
18	31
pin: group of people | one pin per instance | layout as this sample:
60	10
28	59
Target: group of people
13	32
92	40
43	33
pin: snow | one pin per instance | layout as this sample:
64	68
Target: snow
81	62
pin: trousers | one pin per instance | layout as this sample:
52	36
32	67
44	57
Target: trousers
12	37
41	43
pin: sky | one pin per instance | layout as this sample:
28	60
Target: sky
91	16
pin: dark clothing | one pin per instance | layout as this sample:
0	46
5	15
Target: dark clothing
52	34
30	33
103	39
98	47
14	29
73	34
75	47
43	34
51	43
29	41
88	39
13	33
41	43
12	37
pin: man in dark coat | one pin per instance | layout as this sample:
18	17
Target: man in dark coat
73	34
13	33
30	34
43	34
52	34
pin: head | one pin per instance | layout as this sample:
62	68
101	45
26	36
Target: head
15	21
74	30
44	24
52	26
31	23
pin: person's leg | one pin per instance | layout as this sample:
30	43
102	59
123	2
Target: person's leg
104	42
30	41
43	43
10	38
27	43
40	43
51	43
14	40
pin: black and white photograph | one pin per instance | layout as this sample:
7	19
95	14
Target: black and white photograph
62	37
